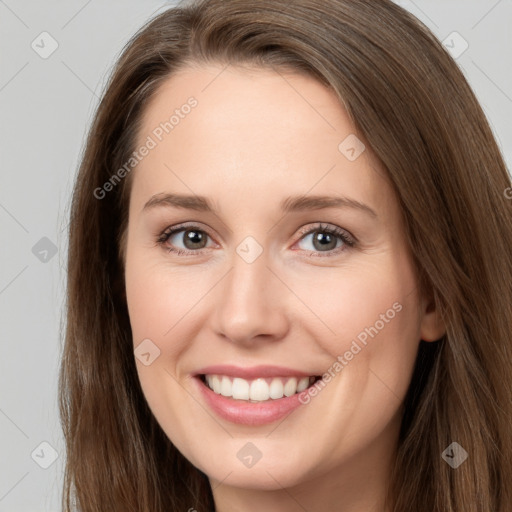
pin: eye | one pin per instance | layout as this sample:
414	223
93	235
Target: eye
193	238
327	239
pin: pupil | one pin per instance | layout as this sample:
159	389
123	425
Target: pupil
194	237
324	237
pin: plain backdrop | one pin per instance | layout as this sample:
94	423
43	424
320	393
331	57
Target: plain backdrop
54	58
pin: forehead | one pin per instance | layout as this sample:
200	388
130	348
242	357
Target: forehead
253	130
250	103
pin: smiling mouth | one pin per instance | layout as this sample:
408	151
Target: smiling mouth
259	389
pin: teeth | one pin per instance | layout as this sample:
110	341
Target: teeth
276	389
257	390
240	389
290	387
303	384
215	385
226	389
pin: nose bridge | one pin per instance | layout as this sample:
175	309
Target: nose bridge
250	270
248	301
248	279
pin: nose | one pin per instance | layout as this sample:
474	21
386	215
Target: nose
252	303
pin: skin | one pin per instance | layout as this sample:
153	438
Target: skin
255	138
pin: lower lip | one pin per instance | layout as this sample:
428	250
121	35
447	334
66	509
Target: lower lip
247	413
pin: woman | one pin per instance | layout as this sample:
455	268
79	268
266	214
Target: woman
263	368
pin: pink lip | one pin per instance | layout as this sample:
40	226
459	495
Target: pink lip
252	372
247	413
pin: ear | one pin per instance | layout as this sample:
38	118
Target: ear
432	325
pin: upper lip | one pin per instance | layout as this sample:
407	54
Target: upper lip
252	372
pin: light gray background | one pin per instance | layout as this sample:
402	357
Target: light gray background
46	107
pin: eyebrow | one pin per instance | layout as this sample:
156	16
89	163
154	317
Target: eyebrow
290	204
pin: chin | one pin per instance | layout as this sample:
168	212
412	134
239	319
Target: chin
270	472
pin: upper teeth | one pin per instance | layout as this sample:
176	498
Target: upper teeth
258	389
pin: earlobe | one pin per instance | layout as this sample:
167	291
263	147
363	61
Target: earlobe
433	326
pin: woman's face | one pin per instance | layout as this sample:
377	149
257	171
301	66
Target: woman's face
265	294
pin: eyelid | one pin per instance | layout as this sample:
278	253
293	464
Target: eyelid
329	228
176	228
312	227
170	230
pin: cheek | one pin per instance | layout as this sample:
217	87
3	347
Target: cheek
158	298
372	340
378	300
160	306
371	325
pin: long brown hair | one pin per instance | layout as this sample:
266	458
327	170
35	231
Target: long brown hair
412	104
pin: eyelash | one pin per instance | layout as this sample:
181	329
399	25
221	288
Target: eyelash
347	240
